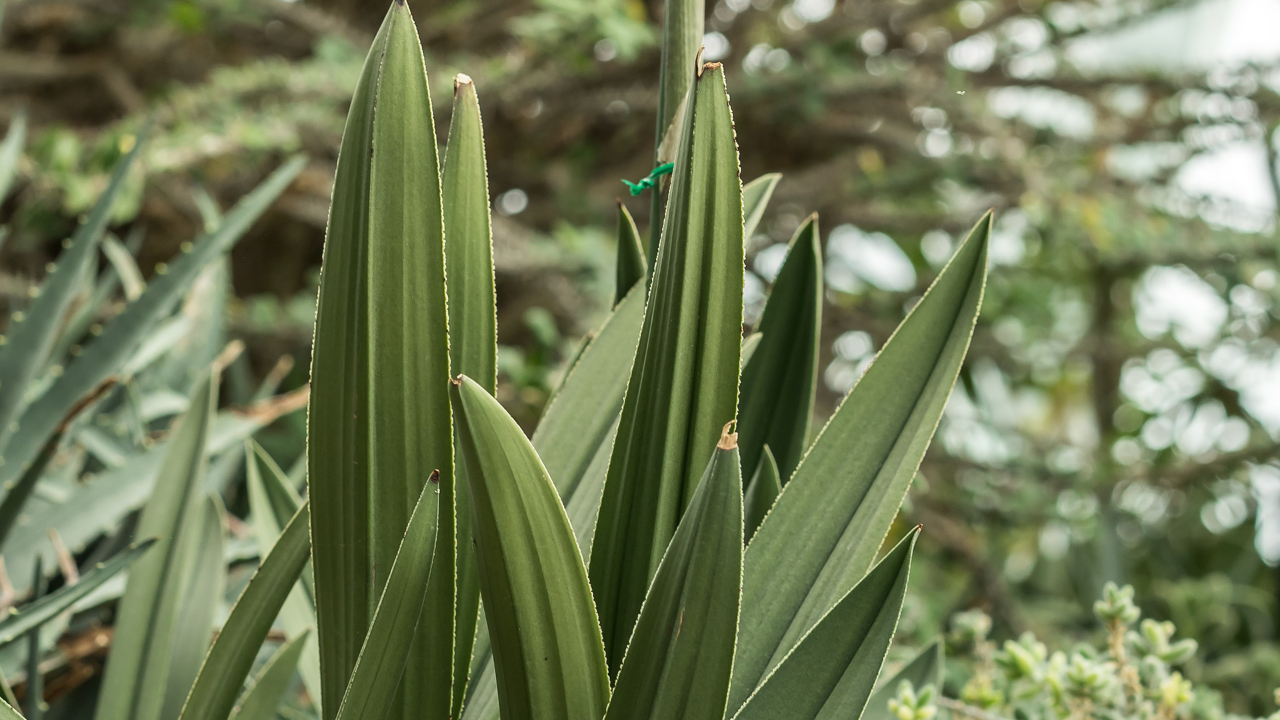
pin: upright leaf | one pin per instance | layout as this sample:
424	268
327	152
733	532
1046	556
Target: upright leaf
473	330
263	696
371	694
379	415
231	658
682	22
574	439
678	661
548	656
631	266
35	705
826	527
32	332
832	671
138	666
684	384
761	493
781	379
755	198
924	669
204	587
121	337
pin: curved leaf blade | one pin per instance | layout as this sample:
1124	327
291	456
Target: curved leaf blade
473	330
832	671
924	669
780	380
755	198
678	663
11	149
828	524
379	420
139	663
631	266
213	696
762	492
549	659
386	653
204	587
684	383
263	697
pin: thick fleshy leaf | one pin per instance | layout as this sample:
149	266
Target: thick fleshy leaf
8	713
574	439
755	198
832	671
35	705
138	666
684	384
38	613
379	419
11	150
231	658
384	658
548	655
272	502
473	331
682	23
32	332
263	697
121	336
16	498
781	379
761	493
827	526
203	589
678	662
924	669
631	266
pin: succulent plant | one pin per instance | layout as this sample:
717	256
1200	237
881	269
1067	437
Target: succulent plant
670	543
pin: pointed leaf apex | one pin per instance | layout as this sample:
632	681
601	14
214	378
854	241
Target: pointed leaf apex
728	438
460	80
458	380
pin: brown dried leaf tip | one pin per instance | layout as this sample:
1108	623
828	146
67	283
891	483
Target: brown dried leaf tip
458	380
728	438
435	477
459	80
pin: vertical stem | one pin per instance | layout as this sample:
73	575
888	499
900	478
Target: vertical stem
1105	362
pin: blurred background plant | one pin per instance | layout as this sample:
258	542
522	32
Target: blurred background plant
1118	415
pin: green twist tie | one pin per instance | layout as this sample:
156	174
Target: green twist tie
645	184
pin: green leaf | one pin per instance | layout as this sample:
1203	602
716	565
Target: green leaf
138	666
682	22
549	659
109	352
31	333
384	656
272	501
574	439
781	379
832	671
37	613
755	198
263	697
379	420
35	679
11	149
16	498
204	587
749	345
684	384
678	662
762	492
631	265
8	713
473	331
924	669
231	658
828	524
125	267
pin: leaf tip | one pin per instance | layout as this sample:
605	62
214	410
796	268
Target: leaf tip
728	438
435	477
460	81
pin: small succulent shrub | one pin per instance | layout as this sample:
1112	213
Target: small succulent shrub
1133	672
670	543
